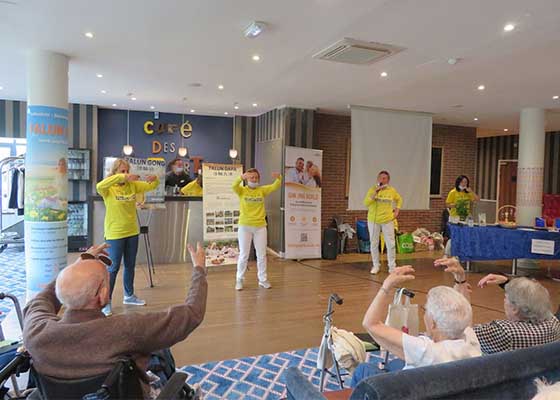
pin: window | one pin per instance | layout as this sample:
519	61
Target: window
435	175
9	147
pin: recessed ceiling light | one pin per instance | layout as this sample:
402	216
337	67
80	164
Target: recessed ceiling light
221	87
555	97
255	105
89	35
192	110
99	75
256	57
152	107
133	98
254	30
481	87
103	91
476	119
226	113
384	74
114	104
509	27
1	88
506	129
236	107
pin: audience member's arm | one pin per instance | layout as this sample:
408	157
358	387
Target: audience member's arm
453	266
374	319
493	279
43	307
154	331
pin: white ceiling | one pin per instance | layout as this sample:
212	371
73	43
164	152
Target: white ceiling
156	48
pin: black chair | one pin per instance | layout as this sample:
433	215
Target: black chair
124	381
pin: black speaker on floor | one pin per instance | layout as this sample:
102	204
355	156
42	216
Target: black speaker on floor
330	244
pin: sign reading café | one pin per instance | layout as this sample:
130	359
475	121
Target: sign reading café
163	146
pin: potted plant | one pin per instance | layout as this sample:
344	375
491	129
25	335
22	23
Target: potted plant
462	207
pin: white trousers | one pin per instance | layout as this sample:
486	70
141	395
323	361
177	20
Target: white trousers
246	235
389	234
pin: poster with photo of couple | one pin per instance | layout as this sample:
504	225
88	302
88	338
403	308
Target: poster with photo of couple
302	202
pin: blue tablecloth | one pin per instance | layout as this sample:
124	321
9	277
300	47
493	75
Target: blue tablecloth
497	243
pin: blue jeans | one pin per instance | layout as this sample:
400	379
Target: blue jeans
365	370
127	248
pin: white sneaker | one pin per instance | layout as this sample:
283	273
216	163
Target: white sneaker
239	285
107	310
133	301
374	270
265	284
391	269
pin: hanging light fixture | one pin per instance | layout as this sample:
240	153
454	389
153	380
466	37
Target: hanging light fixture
127	148
233	155
182	151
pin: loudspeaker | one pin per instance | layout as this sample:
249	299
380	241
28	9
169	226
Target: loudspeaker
330	244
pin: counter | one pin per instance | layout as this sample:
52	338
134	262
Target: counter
170	229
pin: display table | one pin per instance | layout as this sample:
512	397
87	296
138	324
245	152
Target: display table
170	229
481	243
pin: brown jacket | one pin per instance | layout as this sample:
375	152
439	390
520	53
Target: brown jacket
84	343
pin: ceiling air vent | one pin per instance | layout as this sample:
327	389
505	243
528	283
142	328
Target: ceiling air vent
352	51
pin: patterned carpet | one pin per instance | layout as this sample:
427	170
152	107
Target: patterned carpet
12	277
259	377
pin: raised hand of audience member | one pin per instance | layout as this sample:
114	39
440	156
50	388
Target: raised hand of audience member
398	277
100	249
492	279
453	266
198	256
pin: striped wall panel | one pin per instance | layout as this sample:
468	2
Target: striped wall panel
244	140
492	149
82	133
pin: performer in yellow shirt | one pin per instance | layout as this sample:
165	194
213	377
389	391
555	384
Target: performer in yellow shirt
119	192
252	223
460	193
383	203
194	188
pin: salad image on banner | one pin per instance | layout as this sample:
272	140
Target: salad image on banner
302	202
144	167
221	213
46	195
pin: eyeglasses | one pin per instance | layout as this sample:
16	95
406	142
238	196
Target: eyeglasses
104	259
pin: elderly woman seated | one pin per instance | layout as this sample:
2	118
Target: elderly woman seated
448	320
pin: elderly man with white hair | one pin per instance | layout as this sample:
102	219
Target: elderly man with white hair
448	320
529	318
83	342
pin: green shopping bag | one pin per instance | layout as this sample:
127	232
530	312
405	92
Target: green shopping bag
405	243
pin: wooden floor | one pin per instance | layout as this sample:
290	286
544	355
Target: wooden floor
289	316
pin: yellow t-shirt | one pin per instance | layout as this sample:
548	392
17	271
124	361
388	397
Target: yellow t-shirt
380	209
192	189
251	202
454	196
120	205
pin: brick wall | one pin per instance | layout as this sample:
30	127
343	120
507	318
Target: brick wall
332	135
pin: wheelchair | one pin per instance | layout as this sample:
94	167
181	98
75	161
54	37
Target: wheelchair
124	381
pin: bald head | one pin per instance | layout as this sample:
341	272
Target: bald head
83	285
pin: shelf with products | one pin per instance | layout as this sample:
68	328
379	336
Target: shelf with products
79	164
78	226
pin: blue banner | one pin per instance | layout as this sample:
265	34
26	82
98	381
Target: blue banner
46	195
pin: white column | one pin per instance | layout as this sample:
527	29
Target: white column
46	183
530	167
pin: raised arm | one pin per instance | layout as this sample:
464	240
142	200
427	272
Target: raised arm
374	319
267	189
236	185
143	187
103	186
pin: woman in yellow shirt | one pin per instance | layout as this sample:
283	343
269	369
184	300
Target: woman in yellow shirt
194	188
461	193
252	223
119	192
383	203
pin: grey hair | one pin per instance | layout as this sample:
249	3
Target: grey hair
75	297
531	299
546	391
450	310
